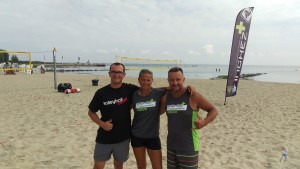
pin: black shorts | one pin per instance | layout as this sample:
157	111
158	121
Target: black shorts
150	143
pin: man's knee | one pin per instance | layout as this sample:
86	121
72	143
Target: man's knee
99	165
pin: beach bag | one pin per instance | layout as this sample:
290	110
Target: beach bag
63	86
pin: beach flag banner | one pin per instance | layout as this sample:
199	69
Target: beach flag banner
238	49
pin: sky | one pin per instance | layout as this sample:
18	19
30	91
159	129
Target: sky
195	32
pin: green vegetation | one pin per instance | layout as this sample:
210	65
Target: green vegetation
4	56
14	59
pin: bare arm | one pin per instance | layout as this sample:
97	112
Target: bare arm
107	126
190	88
167	88
163	104
198	101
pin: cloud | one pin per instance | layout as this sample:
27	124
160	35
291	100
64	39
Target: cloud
193	53
145	52
149	28
166	53
102	51
209	49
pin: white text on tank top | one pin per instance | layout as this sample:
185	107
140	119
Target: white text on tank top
142	106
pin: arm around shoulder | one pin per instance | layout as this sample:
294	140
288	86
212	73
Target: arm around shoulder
163	99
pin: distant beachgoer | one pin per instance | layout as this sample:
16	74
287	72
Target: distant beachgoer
42	70
182	110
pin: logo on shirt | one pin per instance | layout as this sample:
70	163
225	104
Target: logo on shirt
142	106
116	101
174	108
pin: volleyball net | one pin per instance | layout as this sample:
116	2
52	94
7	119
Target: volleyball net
142	63
15	61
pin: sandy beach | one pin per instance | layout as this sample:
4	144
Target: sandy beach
42	128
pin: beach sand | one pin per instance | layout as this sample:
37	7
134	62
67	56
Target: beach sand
42	128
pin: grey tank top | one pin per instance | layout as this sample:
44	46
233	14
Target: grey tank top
181	117
145	123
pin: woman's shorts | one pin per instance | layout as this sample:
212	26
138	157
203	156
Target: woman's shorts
150	143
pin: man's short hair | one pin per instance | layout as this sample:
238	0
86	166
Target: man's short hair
147	71
117	64
175	69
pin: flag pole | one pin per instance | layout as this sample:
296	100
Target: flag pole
238	49
54	67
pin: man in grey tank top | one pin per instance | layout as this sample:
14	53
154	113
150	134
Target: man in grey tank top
183	120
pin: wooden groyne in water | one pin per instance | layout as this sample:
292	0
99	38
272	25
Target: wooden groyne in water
242	76
70	65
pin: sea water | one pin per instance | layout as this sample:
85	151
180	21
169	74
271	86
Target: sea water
281	74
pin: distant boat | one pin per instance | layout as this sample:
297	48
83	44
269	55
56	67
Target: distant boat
194	65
